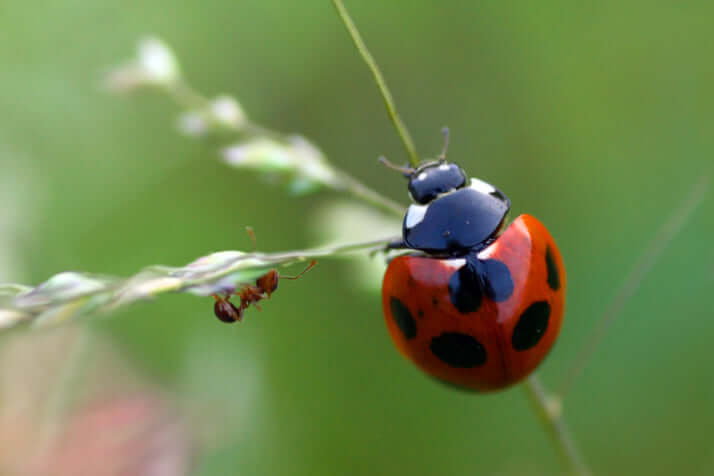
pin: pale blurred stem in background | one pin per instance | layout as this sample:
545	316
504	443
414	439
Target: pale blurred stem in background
191	100
550	406
658	243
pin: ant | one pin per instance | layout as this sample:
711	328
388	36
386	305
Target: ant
250	294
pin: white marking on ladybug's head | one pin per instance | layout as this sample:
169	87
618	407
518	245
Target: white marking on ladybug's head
444	167
415	215
481	186
487	252
453	263
421	176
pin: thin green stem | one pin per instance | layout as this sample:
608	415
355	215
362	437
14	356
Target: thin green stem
381	83
549	410
369	196
68	294
11	289
185	96
329	251
281	258
289	257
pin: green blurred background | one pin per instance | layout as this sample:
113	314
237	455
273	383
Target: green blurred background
596	118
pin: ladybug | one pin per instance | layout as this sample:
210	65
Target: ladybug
477	303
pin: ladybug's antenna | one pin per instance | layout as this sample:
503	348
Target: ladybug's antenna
445	133
381	83
405	170
309	267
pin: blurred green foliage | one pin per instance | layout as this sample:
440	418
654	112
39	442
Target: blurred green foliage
595	117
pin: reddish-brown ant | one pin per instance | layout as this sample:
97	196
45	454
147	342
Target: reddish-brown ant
226	310
250	294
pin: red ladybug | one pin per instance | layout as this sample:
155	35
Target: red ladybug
476	304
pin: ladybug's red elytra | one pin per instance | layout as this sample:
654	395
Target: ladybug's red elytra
477	304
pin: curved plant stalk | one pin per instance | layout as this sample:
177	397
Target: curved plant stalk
71	294
292	158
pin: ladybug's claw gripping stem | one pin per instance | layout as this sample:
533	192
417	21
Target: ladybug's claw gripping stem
396	245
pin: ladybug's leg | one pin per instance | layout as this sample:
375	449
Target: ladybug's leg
397	245
392	245
493	276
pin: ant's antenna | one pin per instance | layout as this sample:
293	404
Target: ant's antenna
309	267
445	133
405	170
251	233
381	83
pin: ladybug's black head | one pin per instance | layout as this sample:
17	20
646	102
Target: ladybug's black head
433	179
453	215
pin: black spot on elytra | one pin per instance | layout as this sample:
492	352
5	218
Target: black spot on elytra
531	326
403	318
465	289
420	314
497	279
458	350
553	276
468	284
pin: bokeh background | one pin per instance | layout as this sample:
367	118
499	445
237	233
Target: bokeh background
596	118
